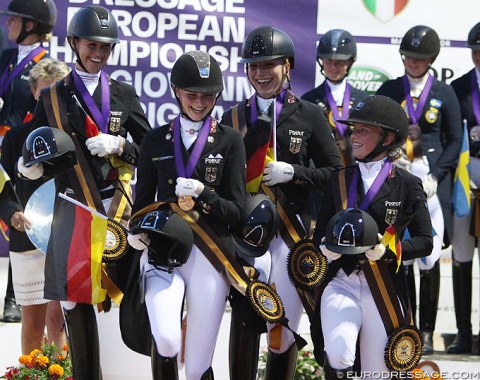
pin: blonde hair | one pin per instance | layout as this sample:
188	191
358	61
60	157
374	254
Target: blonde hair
48	69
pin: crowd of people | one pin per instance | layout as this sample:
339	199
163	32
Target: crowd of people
320	204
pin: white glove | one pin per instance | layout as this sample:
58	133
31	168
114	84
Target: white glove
377	251
32	172
430	185
403	163
139	241
188	187
104	144
277	172
330	255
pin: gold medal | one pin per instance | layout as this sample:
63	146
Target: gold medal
186	203
116	245
265	301
404	349
306	266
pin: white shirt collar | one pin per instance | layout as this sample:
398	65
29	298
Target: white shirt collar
24	50
338	91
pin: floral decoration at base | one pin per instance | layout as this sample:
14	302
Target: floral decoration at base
47	363
307	367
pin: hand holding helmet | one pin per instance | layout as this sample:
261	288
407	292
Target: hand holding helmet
277	172
104	144
32	172
377	252
139	241
430	185
330	255
188	187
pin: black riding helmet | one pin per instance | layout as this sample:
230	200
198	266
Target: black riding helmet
44	12
350	232
474	37
171	237
337	44
50	146
197	71
420	42
259	226
266	43
380	111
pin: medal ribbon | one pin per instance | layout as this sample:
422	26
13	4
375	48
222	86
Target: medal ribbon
6	78
333	106
102	116
187	171
372	191
475	96
415	113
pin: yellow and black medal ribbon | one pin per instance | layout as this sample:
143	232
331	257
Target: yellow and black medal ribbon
306	266
404	346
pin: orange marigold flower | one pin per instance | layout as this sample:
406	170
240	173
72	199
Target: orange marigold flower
65	348
60	357
55	369
41	360
25	359
35	352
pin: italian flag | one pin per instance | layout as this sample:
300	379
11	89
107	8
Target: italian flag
73	266
385	10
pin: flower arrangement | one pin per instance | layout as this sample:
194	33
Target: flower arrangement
47	363
307	367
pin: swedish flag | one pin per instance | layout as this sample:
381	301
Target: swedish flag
461	182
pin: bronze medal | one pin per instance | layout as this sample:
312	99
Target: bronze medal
186	203
306	266
404	349
266	302
116	244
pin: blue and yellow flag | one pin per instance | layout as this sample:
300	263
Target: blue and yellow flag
461	182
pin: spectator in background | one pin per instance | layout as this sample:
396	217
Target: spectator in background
29	24
466	230
431	152
336	53
28	262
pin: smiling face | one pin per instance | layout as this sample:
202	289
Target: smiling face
93	54
336	69
416	67
197	105
268	77
365	138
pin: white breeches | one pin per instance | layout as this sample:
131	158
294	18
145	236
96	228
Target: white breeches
420	168
205	293
349	312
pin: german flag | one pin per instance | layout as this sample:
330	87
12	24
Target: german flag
74	253
259	151
391	241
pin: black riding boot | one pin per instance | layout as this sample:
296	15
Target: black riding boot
281	366
411	290
163	368
429	293
462	297
83	344
335	374
11	311
208	374
243	351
